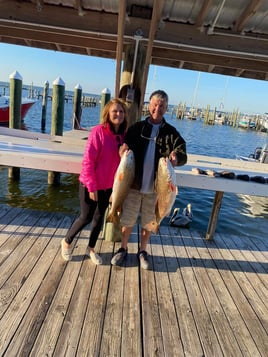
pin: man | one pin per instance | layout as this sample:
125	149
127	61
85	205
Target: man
149	139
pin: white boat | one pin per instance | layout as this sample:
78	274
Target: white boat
246	123
263	121
220	118
260	155
26	104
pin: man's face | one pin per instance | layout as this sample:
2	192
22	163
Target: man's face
157	108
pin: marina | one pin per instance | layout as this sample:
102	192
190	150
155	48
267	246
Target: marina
200	298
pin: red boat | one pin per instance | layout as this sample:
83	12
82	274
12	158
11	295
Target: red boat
26	104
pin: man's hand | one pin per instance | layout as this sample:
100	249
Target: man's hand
173	159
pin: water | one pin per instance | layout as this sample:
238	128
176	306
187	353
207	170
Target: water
237	211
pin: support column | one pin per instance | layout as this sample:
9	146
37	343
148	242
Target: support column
131	91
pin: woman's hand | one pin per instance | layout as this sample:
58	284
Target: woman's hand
93	195
124	147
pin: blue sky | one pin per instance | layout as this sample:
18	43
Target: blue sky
94	74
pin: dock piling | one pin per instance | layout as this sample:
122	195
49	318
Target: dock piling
105	97
77	109
15	113
44	107
57	120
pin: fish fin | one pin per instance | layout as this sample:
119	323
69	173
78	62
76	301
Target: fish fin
173	187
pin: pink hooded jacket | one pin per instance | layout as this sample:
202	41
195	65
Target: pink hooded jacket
101	158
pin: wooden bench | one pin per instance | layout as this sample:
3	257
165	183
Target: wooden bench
64	154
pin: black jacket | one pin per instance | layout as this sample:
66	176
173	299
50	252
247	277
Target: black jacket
167	140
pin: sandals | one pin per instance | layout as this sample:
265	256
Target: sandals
66	253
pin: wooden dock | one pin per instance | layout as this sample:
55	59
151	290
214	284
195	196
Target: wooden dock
200	298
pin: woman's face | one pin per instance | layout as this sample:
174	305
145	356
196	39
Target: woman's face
116	115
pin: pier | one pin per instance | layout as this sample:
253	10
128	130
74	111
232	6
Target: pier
200	298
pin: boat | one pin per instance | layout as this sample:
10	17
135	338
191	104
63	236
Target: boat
246	123
220	118
260	155
26	104
263	122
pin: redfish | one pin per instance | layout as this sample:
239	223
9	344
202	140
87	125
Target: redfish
122	182
166	189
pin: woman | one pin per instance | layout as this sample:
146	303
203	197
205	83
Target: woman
100	161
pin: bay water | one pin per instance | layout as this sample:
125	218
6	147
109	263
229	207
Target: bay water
239	214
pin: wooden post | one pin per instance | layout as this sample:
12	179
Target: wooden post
15	92
44	107
105	97
57	119
137	76
77	109
214	215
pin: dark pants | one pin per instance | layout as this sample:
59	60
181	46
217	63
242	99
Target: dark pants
90	212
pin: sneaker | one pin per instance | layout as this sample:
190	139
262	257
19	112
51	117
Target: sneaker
95	258
66	253
143	259
119	256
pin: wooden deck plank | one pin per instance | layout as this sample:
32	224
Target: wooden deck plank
72	330
199	299
207	254
21	302
19	264
217	315
96	282
131	325
255	272
243	279
209	340
112	328
167	312
27	332
9	224
188	331
228	268
49	333
152	334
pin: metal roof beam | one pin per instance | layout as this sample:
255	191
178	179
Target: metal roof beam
249	11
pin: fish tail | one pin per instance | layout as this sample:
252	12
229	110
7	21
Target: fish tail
113	218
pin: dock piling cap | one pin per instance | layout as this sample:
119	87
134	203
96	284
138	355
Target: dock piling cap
106	91
59	82
15	75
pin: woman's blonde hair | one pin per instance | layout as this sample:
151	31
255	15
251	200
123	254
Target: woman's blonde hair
105	119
